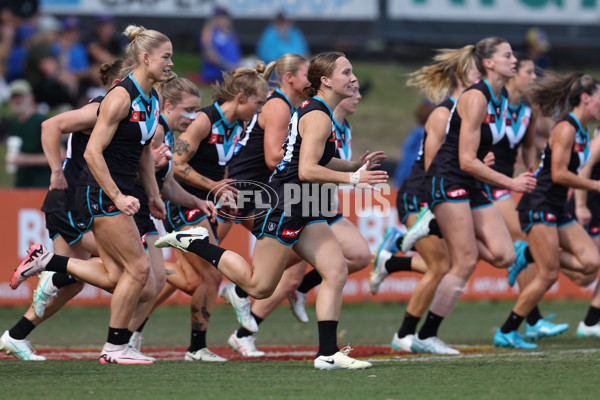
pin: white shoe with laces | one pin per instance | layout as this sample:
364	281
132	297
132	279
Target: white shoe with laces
241	306
432	345
122	354
341	360
203	355
244	345
21	349
298	304
182	239
44	292
402	343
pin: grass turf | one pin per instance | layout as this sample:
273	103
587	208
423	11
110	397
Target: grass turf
562	367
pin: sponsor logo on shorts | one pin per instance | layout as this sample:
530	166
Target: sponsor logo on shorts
548	217
456	193
111	208
191	214
271	226
497	193
291	233
594	229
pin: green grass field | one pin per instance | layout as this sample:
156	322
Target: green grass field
563	367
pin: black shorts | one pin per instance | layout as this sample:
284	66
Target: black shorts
552	216
145	224
407	204
179	217
333	219
496	193
286	229
593	203
442	190
93	202
66	224
242	214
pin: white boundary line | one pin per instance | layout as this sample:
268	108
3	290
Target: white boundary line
479	355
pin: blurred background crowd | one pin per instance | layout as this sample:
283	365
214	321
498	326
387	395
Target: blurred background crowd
49	61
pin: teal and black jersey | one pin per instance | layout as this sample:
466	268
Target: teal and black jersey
505	151
248	161
445	163
169	140
215	151
343	133
547	192
286	173
414	182
64	200
122	155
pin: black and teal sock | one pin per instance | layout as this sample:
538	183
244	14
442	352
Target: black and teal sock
512	323
243	332
61	280
534	316
310	280
409	325
430	326
57	264
198	341
208	251
398	264
592	317
327	338
21	329
118	336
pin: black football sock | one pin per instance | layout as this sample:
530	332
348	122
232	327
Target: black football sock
512	323
310	280
208	251
534	316
327	338
409	325
398	264
118	336
21	329
60	279
198	341
592	317
430	326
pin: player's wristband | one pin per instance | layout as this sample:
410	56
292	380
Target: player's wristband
355	178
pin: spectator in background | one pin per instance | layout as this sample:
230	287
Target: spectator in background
105	43
32	168
412	143
281	37
537	47
51	84
219	46
15	63
72	55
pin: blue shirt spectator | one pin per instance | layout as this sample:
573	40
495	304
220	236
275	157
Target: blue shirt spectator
220	46
279	38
